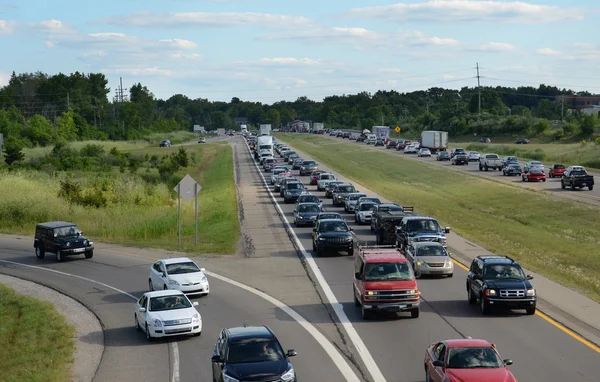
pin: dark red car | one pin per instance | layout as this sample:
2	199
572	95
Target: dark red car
534	175
314	176
466	360
556	170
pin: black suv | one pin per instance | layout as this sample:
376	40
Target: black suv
251	353
61	238
332	234
499	281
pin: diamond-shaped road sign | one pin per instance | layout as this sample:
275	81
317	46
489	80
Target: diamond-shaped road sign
397	129
186	188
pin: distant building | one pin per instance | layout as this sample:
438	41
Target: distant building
579	102
592	110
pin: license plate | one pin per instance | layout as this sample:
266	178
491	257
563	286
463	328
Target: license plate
394	309
79	250
583	184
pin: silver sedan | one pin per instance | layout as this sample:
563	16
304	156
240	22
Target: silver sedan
430	258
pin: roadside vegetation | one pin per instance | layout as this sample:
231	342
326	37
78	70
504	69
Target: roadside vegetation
550	235
122	192
36	341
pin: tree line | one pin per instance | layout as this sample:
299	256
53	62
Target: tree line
37	109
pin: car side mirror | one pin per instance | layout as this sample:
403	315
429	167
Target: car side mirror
508	362
447	230
314	230
195	303
142	310
291	353
357	275
216	358
202	269
164	274
529	277
351	229
438	363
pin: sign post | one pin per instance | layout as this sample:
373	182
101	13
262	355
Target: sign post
187	189
397	129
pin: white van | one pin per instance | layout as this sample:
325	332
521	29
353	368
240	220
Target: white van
371	139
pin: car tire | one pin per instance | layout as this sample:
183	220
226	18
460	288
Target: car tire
150	285
148	335
165	287
470	296
562	185
572	186
137	324
427	377
451	274
483	307
356	302
39	252
198	334
59	256
590	188
530	311
366	313
414	313
89	254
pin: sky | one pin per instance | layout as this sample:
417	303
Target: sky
268	51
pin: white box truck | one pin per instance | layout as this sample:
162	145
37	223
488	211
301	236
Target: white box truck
265	130
220	132
318	127
382	132
264	146
434	140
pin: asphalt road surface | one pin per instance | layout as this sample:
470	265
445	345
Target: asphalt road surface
107	284
551	186
397	343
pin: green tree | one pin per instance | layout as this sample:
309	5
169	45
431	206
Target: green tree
13	151
589	124
66	127
40	131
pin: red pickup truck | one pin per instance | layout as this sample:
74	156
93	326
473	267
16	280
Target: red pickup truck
384	281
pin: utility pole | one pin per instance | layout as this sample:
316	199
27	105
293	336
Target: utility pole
479	87
68	102
382	120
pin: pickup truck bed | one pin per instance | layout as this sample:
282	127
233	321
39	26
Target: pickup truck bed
384	225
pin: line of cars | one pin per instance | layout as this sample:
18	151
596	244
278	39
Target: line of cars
408	246
166	310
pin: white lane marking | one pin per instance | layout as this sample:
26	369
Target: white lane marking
332	351
173	345
358	343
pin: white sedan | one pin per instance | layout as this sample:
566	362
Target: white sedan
424	152
167	313
410	149
179	273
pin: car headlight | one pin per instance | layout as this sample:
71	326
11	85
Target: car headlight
289	375
448	264
490	292
300	217
227	378
67	245
196	317
321	239
90	243
157	323
371	293
421	263
173	282
85	243
530	292
349	238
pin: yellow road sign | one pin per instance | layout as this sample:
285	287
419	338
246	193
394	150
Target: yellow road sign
397	129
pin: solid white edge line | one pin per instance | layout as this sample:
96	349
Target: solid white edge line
173	345
358	343
332	351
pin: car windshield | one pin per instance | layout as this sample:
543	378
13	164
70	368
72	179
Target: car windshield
161	303
333	226
71	231
254	351
345	189
264	147
366	206
309	208
330	216
511	158
537	164
392	207
503	272
491	156
515	166
558	167
308	163
578	172
474	153
278	171
461	156
473	358
181	268
423	225
327	176
388	271
294	186
371	200
444	154
309	199
431	250
269	160
356	197
332	185
536	171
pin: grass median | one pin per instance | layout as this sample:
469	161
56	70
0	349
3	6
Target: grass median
130	203
36	343
550	235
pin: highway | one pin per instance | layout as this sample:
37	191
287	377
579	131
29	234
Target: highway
107	285
551	186
541	352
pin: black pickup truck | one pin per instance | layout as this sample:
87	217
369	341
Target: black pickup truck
576	177
415	229
384	220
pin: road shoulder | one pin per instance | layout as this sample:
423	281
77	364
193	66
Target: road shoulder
88	353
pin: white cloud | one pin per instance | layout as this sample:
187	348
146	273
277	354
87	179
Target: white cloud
469	11
137	71
497	47
206	19
53	27
4	78
288	61
549	52
6	27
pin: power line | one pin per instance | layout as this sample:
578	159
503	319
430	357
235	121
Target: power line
540	75
556	85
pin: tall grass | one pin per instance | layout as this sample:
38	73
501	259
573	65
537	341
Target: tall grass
37	342
138	213
548	234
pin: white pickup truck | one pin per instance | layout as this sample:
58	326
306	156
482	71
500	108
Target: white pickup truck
493	161
324	180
